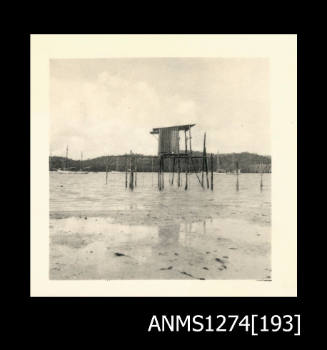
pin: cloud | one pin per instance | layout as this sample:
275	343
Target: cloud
112	110
111	115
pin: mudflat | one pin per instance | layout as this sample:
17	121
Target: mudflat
104	232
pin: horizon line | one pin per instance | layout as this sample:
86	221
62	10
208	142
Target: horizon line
156	155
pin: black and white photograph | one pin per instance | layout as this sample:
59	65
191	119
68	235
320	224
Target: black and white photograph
160	168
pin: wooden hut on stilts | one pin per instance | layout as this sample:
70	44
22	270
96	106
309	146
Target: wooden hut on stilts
169	147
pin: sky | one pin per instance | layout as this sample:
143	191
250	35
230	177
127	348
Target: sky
109	106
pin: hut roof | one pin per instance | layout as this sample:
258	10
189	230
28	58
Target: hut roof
178	127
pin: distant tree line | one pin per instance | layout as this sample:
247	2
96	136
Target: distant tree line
247	163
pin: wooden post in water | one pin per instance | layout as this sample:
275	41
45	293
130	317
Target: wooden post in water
162	173
203	160
207	171
159	173
211	164
131	184
237	184
126	167
169	170
189	170
186	173
135	171
131	175
179	172
202	173
190	154
261	171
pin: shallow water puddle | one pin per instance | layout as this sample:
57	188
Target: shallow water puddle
209	249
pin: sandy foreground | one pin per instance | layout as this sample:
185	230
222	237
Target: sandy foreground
185	243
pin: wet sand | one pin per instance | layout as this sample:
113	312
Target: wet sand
98	248
164	236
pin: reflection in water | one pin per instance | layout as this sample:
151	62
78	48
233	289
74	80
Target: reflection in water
97	248
188	227
169	234
173	234
191	227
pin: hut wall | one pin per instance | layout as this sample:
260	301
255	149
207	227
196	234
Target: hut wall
168	140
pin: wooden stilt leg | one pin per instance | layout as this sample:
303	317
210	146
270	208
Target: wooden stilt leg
207	171
132	179
211	164
163	173
179	172
186	174
159	173
172	178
